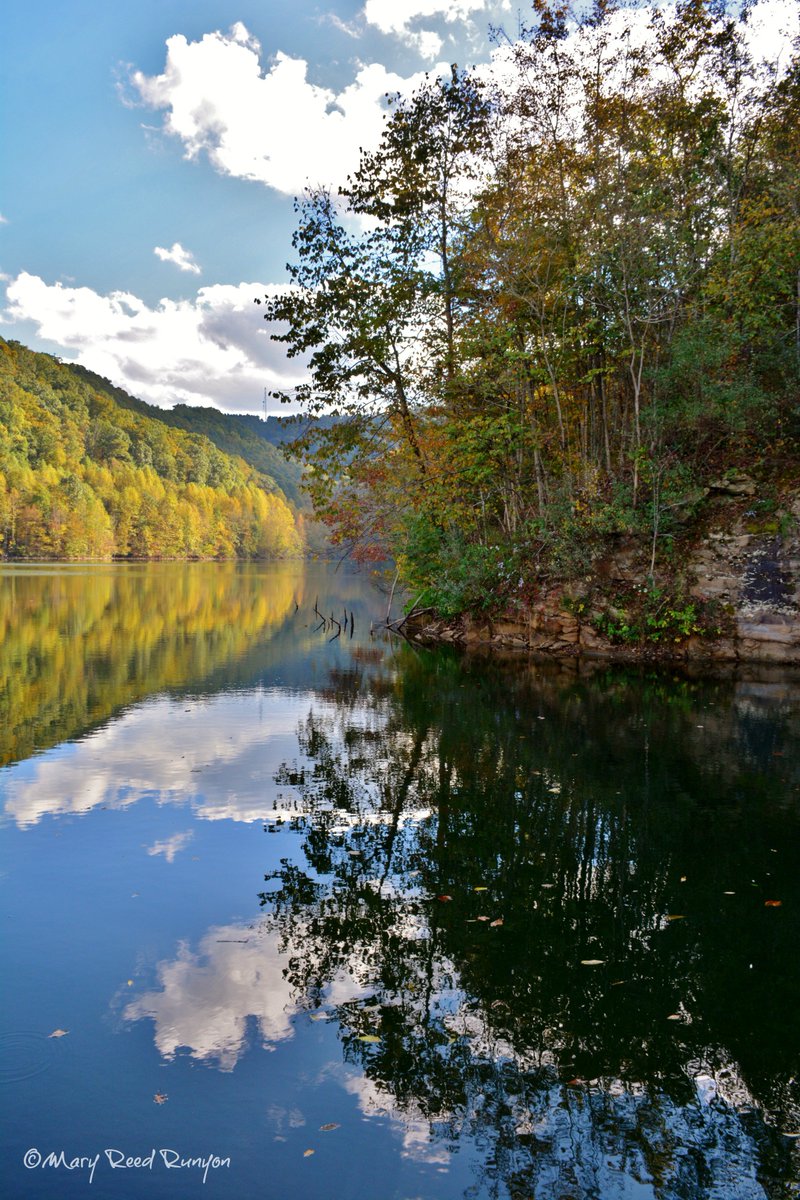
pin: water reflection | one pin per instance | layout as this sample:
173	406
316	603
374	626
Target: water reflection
544	921
577	956
79	643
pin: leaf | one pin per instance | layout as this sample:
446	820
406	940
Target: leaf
160	1098
307	1153
370	1038
499	921
592	962
772	903
675	1017
58	1033
676	917
444	899
480	889
330	1125
482	918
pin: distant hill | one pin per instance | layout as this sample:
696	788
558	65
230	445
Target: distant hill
88	471
248	437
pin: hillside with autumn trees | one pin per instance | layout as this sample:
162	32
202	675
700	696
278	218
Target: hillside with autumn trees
82	476
558	305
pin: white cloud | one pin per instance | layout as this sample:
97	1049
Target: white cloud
397	16
214	349
3	219
225	770
273	126
182	259
170	847
207	999
401	19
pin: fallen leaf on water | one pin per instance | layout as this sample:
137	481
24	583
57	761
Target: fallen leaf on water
160	1098
371	1038
617	982
772	903
58	1033
130	983
793	1134
330	1125
548	885
307	1153
676	917
729	893
683	879
480	889
674	1017
481	918
592	962
444	898
575	1082
499	921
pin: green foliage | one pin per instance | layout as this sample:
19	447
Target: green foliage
83	477
573	305
655	615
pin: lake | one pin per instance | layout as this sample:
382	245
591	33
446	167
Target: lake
298	910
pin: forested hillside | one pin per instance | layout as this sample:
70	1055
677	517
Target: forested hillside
558	307
240	434
83	477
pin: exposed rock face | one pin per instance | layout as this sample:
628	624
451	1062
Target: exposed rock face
751	572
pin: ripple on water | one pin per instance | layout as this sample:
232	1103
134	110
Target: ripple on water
25	1054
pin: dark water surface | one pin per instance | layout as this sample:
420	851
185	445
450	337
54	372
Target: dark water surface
349	919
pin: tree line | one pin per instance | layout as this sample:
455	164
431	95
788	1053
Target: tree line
556	301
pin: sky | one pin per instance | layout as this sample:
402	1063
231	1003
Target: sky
151	153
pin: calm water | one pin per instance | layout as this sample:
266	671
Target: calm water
369	922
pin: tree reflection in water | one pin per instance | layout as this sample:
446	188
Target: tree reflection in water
551	892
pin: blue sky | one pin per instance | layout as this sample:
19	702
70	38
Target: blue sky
150	155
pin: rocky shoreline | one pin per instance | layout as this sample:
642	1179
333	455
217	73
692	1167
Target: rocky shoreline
749	573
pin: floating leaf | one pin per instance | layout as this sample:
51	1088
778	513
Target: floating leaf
676	917
58	1033
160	1098
793	1134
444	899
482	918
370	1038
683	879
480	889
674	1017
330	1125
130	983
729	893
548	885
499	921
307	1153
772	903
592	962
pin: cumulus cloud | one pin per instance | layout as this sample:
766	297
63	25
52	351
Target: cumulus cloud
206	999
3	219
183	259
213	349
404	19
225	771
273	126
